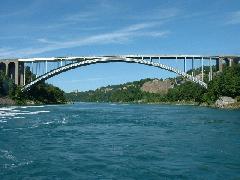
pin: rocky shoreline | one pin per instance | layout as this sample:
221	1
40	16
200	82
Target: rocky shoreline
221	103
7	101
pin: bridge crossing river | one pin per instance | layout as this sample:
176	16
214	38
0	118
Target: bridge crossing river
45	68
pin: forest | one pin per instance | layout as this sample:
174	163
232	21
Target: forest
226	83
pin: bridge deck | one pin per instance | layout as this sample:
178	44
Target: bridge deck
119	56
138	56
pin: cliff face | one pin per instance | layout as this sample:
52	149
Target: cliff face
157	86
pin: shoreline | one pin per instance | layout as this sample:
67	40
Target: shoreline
6	101
230	106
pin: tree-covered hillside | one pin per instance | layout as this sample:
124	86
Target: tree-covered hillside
226	83
42	93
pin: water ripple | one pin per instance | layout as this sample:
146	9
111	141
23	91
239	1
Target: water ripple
119	141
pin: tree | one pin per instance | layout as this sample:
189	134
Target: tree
226	83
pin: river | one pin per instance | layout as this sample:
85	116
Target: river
119	141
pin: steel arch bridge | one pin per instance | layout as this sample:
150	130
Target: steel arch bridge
85	61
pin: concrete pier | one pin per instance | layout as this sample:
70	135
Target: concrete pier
13	69
219	64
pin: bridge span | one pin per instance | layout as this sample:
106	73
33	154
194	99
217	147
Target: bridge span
45	68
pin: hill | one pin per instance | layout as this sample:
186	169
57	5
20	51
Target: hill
170	90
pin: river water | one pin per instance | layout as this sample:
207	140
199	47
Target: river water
119	141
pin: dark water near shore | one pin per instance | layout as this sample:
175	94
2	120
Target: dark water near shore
109	141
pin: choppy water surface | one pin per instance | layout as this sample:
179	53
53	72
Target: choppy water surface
114	141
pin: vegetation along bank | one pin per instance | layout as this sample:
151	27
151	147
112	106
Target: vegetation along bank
223	91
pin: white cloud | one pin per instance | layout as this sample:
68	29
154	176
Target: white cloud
119	36
46	41
28	9
234	18
83	16
157	14
139	26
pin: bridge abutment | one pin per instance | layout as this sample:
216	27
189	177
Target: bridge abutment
16	78
21	75
14	70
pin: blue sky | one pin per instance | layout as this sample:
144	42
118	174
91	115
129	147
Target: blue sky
43	28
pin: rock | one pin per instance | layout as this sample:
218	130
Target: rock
224	101
157	86
6	101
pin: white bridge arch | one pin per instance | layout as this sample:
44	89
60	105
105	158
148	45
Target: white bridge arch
106	59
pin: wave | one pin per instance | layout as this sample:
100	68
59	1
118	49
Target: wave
13	161
24	107
49	122
15	111
7	108
5	154
18	117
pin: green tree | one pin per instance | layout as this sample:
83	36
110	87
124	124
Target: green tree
226	83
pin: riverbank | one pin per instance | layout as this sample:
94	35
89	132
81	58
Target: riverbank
235	105
177	103
7	101
220	93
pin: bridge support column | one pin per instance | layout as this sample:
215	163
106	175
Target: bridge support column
32	70
22	73
185	65
210	72
192	66
16	78
6	73
230	62
202	67
36	66
46	69
219	64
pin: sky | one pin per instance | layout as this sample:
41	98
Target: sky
43	28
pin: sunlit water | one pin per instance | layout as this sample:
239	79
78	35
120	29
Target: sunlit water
119	141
